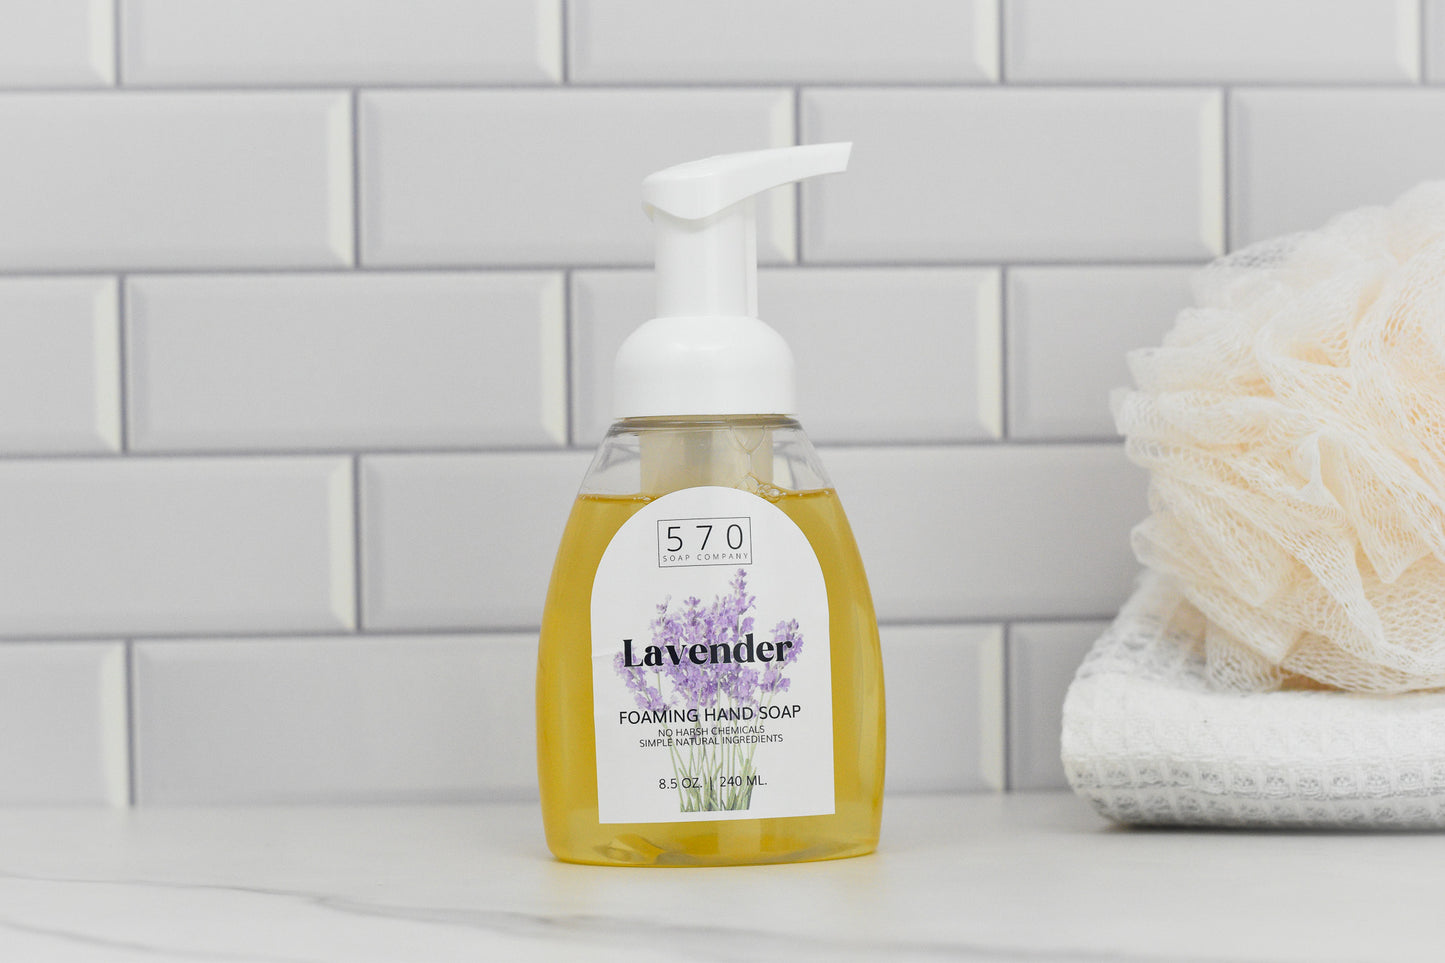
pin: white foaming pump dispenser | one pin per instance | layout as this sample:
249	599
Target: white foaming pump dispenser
709	685
706	352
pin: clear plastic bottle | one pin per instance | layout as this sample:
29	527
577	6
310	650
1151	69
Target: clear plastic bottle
771	458
709	686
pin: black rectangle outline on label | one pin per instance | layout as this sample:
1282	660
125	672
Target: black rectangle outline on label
707	518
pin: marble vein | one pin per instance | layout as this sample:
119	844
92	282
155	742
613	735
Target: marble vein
1022	878
705	942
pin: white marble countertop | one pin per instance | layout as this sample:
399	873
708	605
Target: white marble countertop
1017	877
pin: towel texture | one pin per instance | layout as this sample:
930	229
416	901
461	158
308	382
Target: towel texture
1149	738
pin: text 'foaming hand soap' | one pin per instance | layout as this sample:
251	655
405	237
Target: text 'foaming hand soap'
709	685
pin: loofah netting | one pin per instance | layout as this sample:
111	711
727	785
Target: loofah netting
1293	424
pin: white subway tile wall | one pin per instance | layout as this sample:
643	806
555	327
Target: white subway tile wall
125	180
546	177
307	311
365	360
1213	41
1069	329
140	546
947	732
374	719
1018	174
1041	658
991	531
340	42
462	539
1299	156
59	365
57	43
63	713
783	41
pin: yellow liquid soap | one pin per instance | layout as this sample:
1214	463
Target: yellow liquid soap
566	746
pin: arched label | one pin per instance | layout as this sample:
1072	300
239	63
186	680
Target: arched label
711	664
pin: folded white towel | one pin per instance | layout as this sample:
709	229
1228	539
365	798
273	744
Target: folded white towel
1146	739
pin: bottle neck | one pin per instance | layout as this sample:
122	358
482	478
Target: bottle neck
690	451
703	423
617	470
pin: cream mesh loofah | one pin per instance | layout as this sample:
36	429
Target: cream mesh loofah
1293	424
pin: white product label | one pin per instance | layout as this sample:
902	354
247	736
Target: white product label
712	684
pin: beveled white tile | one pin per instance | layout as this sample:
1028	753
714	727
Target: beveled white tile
1299	157
942	175
57	43
462	541
59	365
883	355
359	719
1209	41
152	546
346	361
272	42
547	177
1068	331
783	41
1042	660
175	180
945	707
63	723
989	532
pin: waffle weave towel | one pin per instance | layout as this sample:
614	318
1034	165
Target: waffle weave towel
1147	739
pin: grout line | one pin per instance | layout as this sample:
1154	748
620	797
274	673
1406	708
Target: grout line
217	454
355	178
308	88
1015	620
262	635
131	769
122	360
890	445
327	270
696	86
554	266
338	634
356	545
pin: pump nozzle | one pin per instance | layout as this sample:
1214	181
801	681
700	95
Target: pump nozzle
701	188
705	352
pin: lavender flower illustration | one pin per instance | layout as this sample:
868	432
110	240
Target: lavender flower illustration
711	773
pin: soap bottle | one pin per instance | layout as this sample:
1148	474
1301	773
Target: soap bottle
709	684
